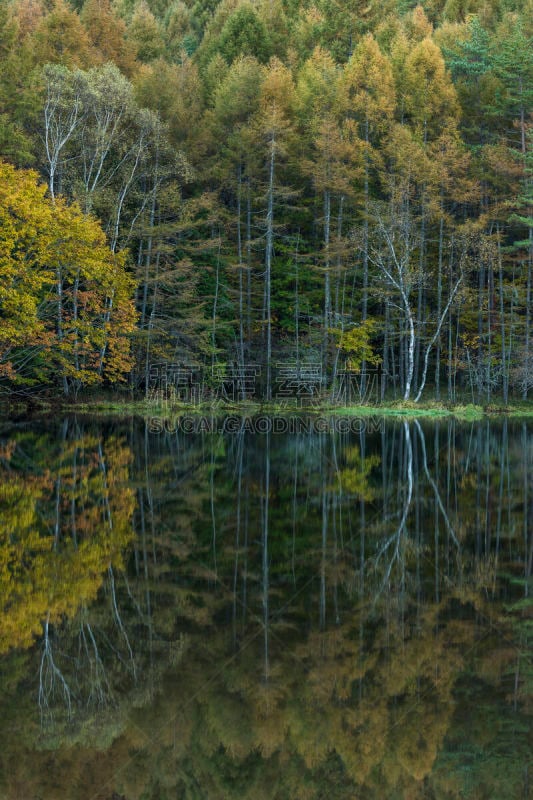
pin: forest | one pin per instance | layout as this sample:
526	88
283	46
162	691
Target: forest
344	187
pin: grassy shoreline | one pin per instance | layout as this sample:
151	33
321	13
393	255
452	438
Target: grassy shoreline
117	407
145	408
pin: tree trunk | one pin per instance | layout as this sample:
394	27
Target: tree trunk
327	279
268	265
241	269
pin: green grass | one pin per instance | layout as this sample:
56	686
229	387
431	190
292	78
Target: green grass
118	407
412	409
144	408
518	409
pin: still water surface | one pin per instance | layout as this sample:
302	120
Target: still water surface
280	615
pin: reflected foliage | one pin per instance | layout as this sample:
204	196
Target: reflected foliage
301	616
66	514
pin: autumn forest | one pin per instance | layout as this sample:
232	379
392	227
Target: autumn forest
221	184
210	209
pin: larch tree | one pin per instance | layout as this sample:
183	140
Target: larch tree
60	38
370	101
332	158
107	35
431	112
275	129
145	34
236	103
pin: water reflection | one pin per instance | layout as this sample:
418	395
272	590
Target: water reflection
296	616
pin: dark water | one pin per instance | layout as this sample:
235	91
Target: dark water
302	614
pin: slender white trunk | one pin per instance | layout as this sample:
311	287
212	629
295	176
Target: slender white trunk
435	337
241	271
268	265
327	281
410	354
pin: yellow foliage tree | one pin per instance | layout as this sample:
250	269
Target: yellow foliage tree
65	298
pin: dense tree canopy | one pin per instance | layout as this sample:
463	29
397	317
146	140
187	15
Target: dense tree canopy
283	172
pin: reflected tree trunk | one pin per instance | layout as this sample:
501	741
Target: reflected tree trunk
265	561
395	540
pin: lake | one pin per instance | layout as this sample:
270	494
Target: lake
291	607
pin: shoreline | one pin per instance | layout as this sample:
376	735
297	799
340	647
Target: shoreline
152	409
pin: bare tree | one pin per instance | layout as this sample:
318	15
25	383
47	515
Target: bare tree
392	546
395	241
63	114
52	681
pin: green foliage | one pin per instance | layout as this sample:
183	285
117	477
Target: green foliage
356	344
145	34
140	111
244	34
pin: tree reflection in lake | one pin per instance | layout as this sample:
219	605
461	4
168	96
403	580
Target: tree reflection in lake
297	616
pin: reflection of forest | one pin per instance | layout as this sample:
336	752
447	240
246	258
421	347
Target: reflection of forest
304	616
